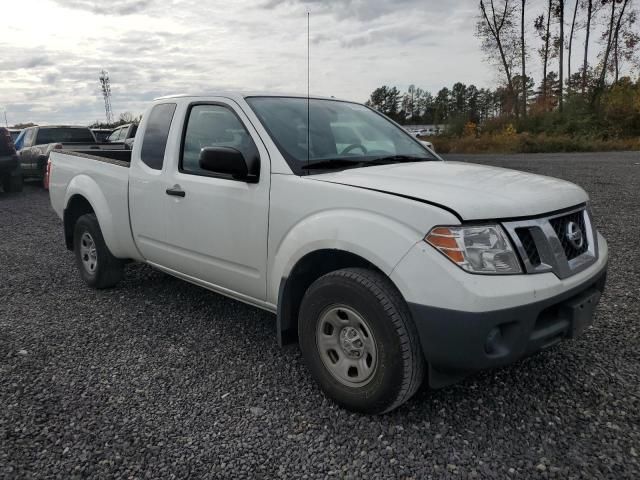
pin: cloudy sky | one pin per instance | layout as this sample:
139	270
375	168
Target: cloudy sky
52	54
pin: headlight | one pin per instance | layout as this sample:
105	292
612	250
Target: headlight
477	249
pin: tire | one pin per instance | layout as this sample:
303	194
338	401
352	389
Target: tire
12	183
42	172
372	361
98	267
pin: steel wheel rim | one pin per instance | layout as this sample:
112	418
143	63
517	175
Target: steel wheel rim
88	253
346	346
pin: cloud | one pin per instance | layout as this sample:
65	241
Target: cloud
402	34
349	9
111	7
50	65
18	60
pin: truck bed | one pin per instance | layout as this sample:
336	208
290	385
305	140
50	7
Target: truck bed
102	176
114	157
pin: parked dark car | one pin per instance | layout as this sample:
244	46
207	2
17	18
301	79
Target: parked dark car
124	134
14	133
10	172
102	134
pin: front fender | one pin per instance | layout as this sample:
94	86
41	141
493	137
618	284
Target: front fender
378	238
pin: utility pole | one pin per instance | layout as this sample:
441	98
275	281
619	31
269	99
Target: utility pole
106	94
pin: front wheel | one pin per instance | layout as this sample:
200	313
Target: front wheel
359	341
97	266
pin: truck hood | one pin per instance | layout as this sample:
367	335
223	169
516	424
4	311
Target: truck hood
473	192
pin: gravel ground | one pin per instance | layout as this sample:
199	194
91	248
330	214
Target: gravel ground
159	378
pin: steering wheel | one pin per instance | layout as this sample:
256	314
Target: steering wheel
353	146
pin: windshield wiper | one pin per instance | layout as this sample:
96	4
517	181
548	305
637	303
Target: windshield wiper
333	163
351	162
397	158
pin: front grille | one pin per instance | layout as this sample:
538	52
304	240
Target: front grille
560	226
529	246
563	243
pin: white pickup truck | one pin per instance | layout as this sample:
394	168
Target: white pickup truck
386	263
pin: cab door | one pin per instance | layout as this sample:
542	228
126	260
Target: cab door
147	197
217	225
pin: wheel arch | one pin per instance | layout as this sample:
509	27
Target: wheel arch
77	206
112	212
307	270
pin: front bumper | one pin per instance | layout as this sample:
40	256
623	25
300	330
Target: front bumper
457	313
456	343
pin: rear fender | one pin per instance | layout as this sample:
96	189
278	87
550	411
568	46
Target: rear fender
88	188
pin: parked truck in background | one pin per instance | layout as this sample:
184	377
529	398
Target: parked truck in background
14	133
36	143
101	134
123	135
10	172
387	264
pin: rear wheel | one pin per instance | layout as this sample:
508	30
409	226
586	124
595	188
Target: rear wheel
12	183
42	173
359	341
98	267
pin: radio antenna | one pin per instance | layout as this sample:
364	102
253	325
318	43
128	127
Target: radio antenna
308	89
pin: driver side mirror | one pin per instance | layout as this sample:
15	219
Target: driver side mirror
227	161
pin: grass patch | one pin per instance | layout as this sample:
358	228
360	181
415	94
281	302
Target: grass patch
530	143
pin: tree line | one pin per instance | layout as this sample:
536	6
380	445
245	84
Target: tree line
123	119
584	80
418	106
502	28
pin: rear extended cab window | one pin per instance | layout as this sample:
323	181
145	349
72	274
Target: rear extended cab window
156	133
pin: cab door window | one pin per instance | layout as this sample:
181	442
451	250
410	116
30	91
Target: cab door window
213	126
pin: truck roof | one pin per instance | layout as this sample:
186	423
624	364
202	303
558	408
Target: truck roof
240	95
57	126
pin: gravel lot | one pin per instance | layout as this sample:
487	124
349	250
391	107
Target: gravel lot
159	378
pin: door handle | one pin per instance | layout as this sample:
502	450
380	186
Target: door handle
176	191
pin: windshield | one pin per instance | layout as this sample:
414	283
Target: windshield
64	135
342	134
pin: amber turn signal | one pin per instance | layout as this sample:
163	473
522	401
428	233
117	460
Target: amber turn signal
446	242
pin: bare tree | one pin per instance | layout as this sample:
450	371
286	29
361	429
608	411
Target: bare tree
628	38
624	26
560	13
585	63
523	53
573	26
611	34
499	39
545	35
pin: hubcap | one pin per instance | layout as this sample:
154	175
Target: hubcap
347	346
88	253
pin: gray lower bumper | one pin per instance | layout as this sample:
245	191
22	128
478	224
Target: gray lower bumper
456	343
